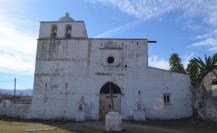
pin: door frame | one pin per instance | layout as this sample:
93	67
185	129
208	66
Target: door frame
105	89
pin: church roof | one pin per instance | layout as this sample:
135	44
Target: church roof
66	18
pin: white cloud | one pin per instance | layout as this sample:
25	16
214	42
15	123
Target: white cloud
17	50
155	61
142	8
146	9
158	62
153	8
210	42
207	40
17	40
120	29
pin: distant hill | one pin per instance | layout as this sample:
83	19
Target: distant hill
26	92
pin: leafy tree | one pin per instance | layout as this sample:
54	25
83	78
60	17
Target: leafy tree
198	68
175	64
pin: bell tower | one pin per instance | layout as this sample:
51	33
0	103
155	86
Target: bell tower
65	28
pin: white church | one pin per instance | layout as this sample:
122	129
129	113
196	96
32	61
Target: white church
81	78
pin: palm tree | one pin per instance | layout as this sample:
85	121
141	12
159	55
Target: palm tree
175	64
198	68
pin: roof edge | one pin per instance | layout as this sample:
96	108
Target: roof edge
142	39
61	21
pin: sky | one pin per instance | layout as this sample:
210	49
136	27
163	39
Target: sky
186	27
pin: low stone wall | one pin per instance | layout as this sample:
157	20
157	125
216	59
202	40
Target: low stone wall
204	104
209	112
14	110
205	99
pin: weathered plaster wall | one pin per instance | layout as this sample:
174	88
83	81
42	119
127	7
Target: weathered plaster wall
206	102
67	70
160	82
79	29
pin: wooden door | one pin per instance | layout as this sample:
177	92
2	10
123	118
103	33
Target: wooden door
105	104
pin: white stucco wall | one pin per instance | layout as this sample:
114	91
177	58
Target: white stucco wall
79	29
67	70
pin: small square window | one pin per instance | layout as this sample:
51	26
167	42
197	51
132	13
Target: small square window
166	99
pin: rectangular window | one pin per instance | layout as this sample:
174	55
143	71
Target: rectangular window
166	99
214	82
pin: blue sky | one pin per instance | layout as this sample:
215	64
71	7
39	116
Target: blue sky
187	27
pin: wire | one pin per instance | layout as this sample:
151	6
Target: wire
7	81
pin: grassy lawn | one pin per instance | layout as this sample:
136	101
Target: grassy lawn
178	126
186	125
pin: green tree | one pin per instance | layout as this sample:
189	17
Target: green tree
175	64
198	68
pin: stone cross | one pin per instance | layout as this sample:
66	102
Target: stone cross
111	97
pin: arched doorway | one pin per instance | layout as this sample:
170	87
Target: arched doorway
110	99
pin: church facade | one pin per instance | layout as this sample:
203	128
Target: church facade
81	78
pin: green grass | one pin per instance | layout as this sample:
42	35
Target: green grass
178	126
186	125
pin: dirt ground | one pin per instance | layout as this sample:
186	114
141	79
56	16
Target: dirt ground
174	126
